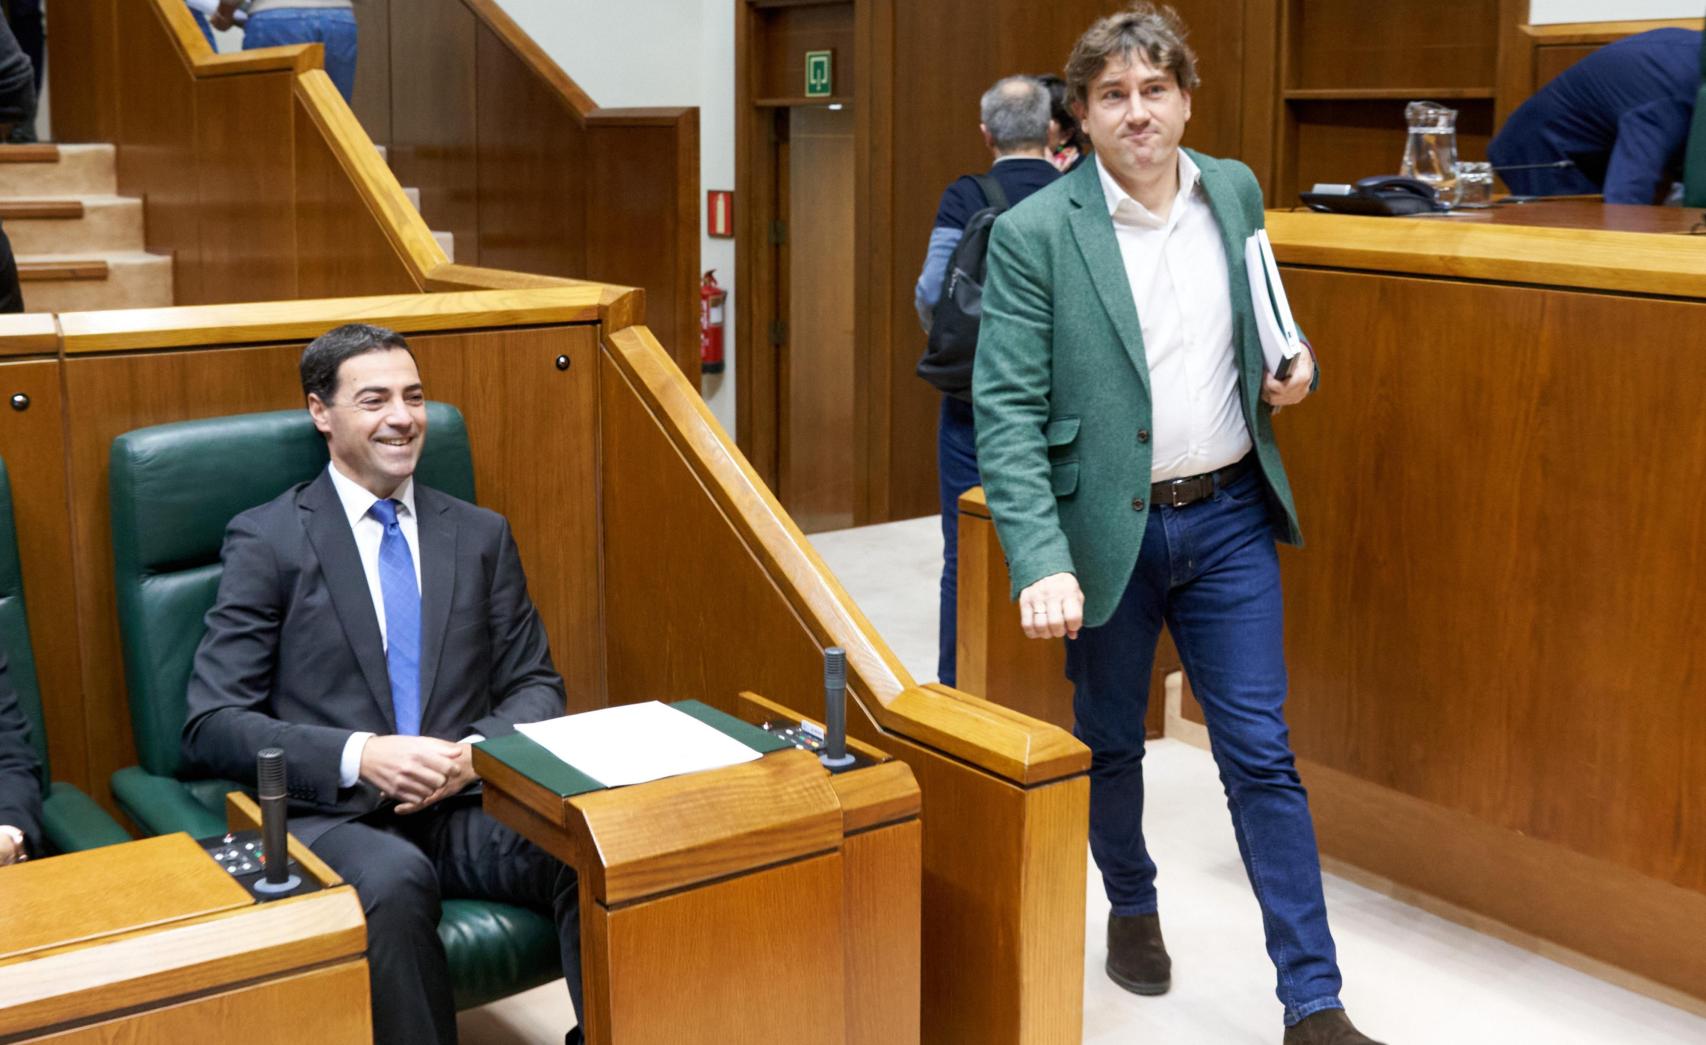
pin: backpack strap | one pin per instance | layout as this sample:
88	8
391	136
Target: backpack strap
992	193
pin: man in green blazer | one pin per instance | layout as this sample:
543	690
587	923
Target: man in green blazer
1127	451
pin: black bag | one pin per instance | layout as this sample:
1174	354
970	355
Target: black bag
952	345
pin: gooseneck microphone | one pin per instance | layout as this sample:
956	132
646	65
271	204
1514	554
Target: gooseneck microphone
271	792
835	754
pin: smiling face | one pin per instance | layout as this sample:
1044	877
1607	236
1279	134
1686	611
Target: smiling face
1135	116
376	421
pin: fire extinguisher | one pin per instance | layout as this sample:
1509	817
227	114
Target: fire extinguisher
711	298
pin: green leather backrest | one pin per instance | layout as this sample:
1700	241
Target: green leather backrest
174	488
15	629
1694	160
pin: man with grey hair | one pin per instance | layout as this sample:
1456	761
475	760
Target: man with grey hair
1014	122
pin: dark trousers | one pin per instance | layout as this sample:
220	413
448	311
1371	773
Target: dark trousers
956	472
400	866
1211	573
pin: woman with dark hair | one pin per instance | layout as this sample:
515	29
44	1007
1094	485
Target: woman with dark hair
1067	145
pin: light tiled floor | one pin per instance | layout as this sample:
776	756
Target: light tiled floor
1412	978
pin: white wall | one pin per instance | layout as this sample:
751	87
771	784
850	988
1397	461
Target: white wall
1548	12
659	52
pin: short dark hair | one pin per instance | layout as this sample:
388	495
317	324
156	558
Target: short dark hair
1061	113
1153	30
326	353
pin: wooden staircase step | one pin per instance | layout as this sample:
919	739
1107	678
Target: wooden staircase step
61	269
47	207
34	153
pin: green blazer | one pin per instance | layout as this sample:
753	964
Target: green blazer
1061	384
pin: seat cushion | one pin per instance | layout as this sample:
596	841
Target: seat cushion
161	805
496	949
72	821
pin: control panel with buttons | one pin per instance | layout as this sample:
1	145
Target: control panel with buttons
241	855
808	736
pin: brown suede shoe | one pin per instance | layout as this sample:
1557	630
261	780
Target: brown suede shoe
1327	1027
1137	956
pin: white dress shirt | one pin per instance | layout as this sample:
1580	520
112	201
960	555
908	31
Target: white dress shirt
369	532
1176	265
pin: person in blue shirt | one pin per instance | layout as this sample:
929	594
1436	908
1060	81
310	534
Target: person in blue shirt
1014	118
1621	115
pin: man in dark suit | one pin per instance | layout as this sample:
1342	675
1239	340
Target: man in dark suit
1125	439
20	780
373	628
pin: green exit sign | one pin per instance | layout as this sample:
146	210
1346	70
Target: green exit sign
820	74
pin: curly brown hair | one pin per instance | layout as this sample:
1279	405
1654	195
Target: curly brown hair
1153	30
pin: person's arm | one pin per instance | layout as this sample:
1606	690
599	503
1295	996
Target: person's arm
229	715
525	685
20	778
1650	140
17	81
928	292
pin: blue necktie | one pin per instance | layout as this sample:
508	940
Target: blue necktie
402	599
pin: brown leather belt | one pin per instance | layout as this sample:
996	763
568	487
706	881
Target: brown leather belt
1177	493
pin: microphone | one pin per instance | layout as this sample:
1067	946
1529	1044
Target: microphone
835	754
1555	165
270	792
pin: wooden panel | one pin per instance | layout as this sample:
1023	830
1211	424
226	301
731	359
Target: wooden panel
106	396
642	223
787	33
533	194
880	918
817	360
97	893
725	981
340	249
1505	668
1592	907
1341	141
433	133
1400	43
329	1006
244	153
534	433
82	70
1550	61
372	100
156	134
32	442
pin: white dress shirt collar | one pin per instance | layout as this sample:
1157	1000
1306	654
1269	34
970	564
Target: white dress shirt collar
358	499
1125	210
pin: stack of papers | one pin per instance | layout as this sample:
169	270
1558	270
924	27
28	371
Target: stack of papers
634	743
1280	339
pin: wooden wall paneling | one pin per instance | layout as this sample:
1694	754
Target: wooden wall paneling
156	133
104	397
534	430
247	212
755	305
787	32
1263	109
1341	141
1514	75
642	217
874	123
1413	44
881	926
373	99
32	442
1504	669
816	481
434	117
533	190
83	69
1219	31
340	246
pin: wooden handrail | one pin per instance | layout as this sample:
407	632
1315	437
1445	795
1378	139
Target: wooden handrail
499	22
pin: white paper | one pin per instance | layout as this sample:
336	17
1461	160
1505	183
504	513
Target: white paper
634	743
1274	322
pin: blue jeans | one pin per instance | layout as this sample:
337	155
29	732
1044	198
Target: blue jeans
206	30
1211	573
333	27
956	472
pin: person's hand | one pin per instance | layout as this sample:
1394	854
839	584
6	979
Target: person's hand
8	850
1052	607
1281	394
413	770
225	17
459	778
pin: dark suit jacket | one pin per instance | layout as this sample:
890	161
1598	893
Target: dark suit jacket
292	655
20	770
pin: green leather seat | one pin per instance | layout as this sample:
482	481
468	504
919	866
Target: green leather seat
70	819
174	488
1694	159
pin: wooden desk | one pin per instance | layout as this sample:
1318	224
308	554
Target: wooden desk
768	902
151	941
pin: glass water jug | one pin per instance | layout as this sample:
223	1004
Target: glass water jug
1430	153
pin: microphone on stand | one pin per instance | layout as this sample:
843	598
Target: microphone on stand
835	754
270	793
